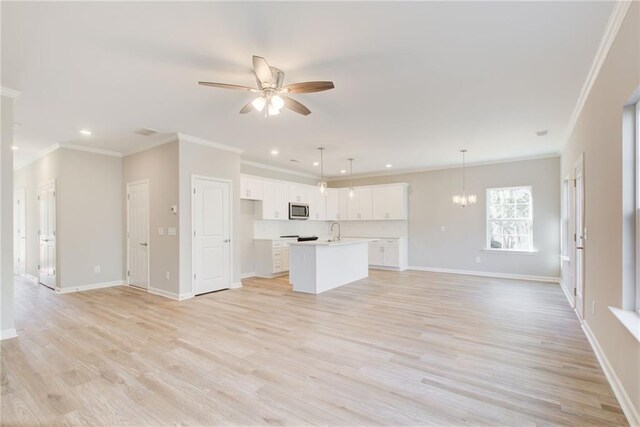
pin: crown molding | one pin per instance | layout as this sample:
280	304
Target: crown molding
437	168
39	155
278	169
211	144
611	31
89	149
171	138
9	93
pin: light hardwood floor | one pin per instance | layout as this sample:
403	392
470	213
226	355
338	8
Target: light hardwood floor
409	348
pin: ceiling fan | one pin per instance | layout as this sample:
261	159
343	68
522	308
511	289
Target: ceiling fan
273	95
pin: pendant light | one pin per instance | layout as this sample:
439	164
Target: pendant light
464	199
322	185
351	190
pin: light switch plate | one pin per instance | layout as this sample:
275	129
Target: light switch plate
171	231
160	231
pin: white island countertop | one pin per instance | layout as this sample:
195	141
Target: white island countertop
333	242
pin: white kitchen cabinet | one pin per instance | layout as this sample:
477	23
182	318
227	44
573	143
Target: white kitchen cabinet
250	188
337	204
298	193
317	204
275	200
360	206
389	254
389	202
271	257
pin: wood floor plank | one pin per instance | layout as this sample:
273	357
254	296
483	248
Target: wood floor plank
410	348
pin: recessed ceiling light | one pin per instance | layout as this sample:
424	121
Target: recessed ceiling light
14	147
316	163
274	152
85	132
388	165
343	171
542	132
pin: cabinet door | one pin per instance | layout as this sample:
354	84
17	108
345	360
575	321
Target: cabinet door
379	203
396	202
333	204
364	204
391	256
269	200
317	204
250	188
282	201
297	193
376	253
343	204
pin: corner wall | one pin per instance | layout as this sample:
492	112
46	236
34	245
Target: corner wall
598	134
7	326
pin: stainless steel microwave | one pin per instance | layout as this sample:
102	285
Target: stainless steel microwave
298	211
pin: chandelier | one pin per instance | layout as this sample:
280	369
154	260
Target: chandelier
464	199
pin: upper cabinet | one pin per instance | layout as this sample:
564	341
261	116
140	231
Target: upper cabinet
375	202
390	202
298	193
337	204
250	188
275	200
361	205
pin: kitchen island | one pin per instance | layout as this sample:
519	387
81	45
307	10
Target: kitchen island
320	265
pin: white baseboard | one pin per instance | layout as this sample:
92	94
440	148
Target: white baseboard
488	274
169	294
380	267
567	294
630	411
6	334
89	287
247	275
236	285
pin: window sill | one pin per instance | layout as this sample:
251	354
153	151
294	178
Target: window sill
510	251
630	319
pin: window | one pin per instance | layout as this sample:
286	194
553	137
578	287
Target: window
510	219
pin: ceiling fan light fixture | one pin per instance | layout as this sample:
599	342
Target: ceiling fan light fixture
272	110
259	103
277	102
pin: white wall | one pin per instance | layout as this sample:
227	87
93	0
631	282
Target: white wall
159	165
196	159
88	215
464	238
598	134
7	327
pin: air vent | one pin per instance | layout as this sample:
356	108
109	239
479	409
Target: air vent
294	161
145	132
542	132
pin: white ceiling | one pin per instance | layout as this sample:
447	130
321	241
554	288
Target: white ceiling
415	82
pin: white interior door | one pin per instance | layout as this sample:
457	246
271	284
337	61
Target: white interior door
20	235
579	236
47	234
138	234
211	235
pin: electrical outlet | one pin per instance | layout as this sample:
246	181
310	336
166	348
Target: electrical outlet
478	261
171	231
160	231
167	275
96	269
593	308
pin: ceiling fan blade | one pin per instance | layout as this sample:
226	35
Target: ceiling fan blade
278	76
247	108
308	87
228	86
262	71
294	105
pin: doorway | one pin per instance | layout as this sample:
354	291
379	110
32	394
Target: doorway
579	235
20	234
211	234
138	234
47	234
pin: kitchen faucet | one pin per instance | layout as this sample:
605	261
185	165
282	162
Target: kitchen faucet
339	232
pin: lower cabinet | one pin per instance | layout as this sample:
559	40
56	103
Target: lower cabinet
389	253
271	257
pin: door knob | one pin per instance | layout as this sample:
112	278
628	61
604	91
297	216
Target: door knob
227	240
143	244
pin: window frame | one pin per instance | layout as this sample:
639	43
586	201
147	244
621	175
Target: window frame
488	219
636	147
